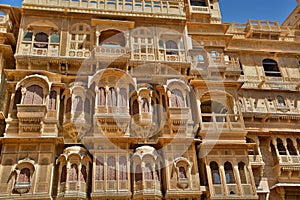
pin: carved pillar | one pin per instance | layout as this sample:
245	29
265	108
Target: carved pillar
127	38
106	96
97	37
79	177
96	98
223	180
117	98
67	174
143	175
139	99
285	146
295	145
169	94
209	179
274	142
251	178
23	92
238	180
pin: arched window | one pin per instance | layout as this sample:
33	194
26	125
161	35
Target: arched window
177	100
111	168
145	105
99	169
87	108
135	107
138	173
69	105
122	97
63	175
112	97
156	174
102	97
280	101
280	147
182	172
77	104
148	172
271	68
229	175
52	100
27	36
164	106
73	173
41	40
122	168
171	48
242	172
34	95
17	98
24	176
291	148
215	173
112	38
83	174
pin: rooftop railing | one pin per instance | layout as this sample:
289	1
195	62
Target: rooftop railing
135	6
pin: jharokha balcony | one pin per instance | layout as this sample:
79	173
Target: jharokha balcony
31	118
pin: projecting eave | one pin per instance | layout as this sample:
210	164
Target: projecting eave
216	84
219	29
53	77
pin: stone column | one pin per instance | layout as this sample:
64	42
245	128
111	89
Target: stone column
238	180
23	92
209	180
251	178
223	180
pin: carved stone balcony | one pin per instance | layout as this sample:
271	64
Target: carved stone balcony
76	125
31	118
143	119
149	189
72	190
22	188
221	121
111	53
287	168
27	49
256	160
113	123
178	120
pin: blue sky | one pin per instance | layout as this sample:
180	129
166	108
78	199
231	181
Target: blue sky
240	10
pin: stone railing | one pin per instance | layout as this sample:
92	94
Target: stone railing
162	7
255	159
111	53
221	121
28	49
289	160
199	9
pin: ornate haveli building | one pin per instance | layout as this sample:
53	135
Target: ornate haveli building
147	99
